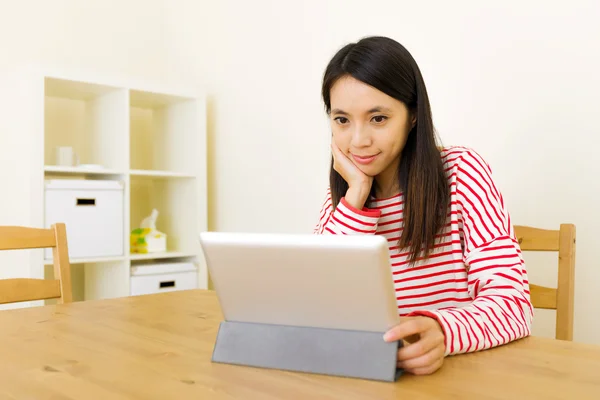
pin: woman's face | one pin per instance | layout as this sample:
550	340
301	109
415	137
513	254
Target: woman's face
369	126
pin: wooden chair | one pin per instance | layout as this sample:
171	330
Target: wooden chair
560	299
26	289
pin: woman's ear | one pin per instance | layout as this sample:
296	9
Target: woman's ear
413	119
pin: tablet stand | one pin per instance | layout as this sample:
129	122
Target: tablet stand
352	354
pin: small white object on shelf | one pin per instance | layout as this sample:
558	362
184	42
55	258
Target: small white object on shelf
66	156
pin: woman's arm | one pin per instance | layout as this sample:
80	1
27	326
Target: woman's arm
346	219
501	310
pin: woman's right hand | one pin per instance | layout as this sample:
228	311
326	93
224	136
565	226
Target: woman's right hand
359	184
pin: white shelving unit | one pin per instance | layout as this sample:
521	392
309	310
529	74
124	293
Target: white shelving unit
152	138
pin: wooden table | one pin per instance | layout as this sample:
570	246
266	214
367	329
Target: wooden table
159	347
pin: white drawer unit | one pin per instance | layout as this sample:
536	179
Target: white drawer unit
92	211
163	277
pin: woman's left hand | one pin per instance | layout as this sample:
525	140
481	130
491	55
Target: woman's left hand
424	352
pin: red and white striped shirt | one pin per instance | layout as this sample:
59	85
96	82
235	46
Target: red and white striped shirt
474	283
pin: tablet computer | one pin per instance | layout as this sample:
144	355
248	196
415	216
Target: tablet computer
306	280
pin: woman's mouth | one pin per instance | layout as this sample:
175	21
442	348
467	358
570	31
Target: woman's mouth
364	160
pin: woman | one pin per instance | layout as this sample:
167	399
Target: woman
460	279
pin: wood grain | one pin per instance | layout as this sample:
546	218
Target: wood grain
565	296
22	289
543	297
535	239
62	266
159	347
25	289
17	237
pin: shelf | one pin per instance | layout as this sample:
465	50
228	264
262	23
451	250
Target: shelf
58	170
151	139
158	174
91	119
164	132
157	256
175	200
90	260
132	257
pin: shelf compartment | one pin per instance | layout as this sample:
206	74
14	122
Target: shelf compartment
175	200
92	119
165	132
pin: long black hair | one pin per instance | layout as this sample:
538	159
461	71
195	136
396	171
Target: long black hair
386	65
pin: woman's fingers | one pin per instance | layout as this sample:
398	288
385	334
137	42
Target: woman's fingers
427	370
346	168
423	346
422	360
426	354
407	327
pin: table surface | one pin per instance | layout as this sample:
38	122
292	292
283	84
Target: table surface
159	347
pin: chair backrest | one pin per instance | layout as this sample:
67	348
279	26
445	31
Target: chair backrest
29	289
560	299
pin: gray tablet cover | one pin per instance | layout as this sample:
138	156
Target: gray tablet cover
352	354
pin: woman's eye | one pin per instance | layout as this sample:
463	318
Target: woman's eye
379	119
341	120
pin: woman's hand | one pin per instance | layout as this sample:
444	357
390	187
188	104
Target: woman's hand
424	352
359	184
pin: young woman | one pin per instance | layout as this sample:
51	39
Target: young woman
460	279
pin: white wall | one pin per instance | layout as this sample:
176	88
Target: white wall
516	80
113	36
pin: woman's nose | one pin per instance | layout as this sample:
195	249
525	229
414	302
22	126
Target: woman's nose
361	137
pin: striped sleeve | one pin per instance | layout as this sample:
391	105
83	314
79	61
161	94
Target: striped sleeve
345	219
501	309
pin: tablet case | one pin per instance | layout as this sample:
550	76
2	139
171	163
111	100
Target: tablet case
352	354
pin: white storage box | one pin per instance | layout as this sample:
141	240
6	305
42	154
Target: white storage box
92	211
163	277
